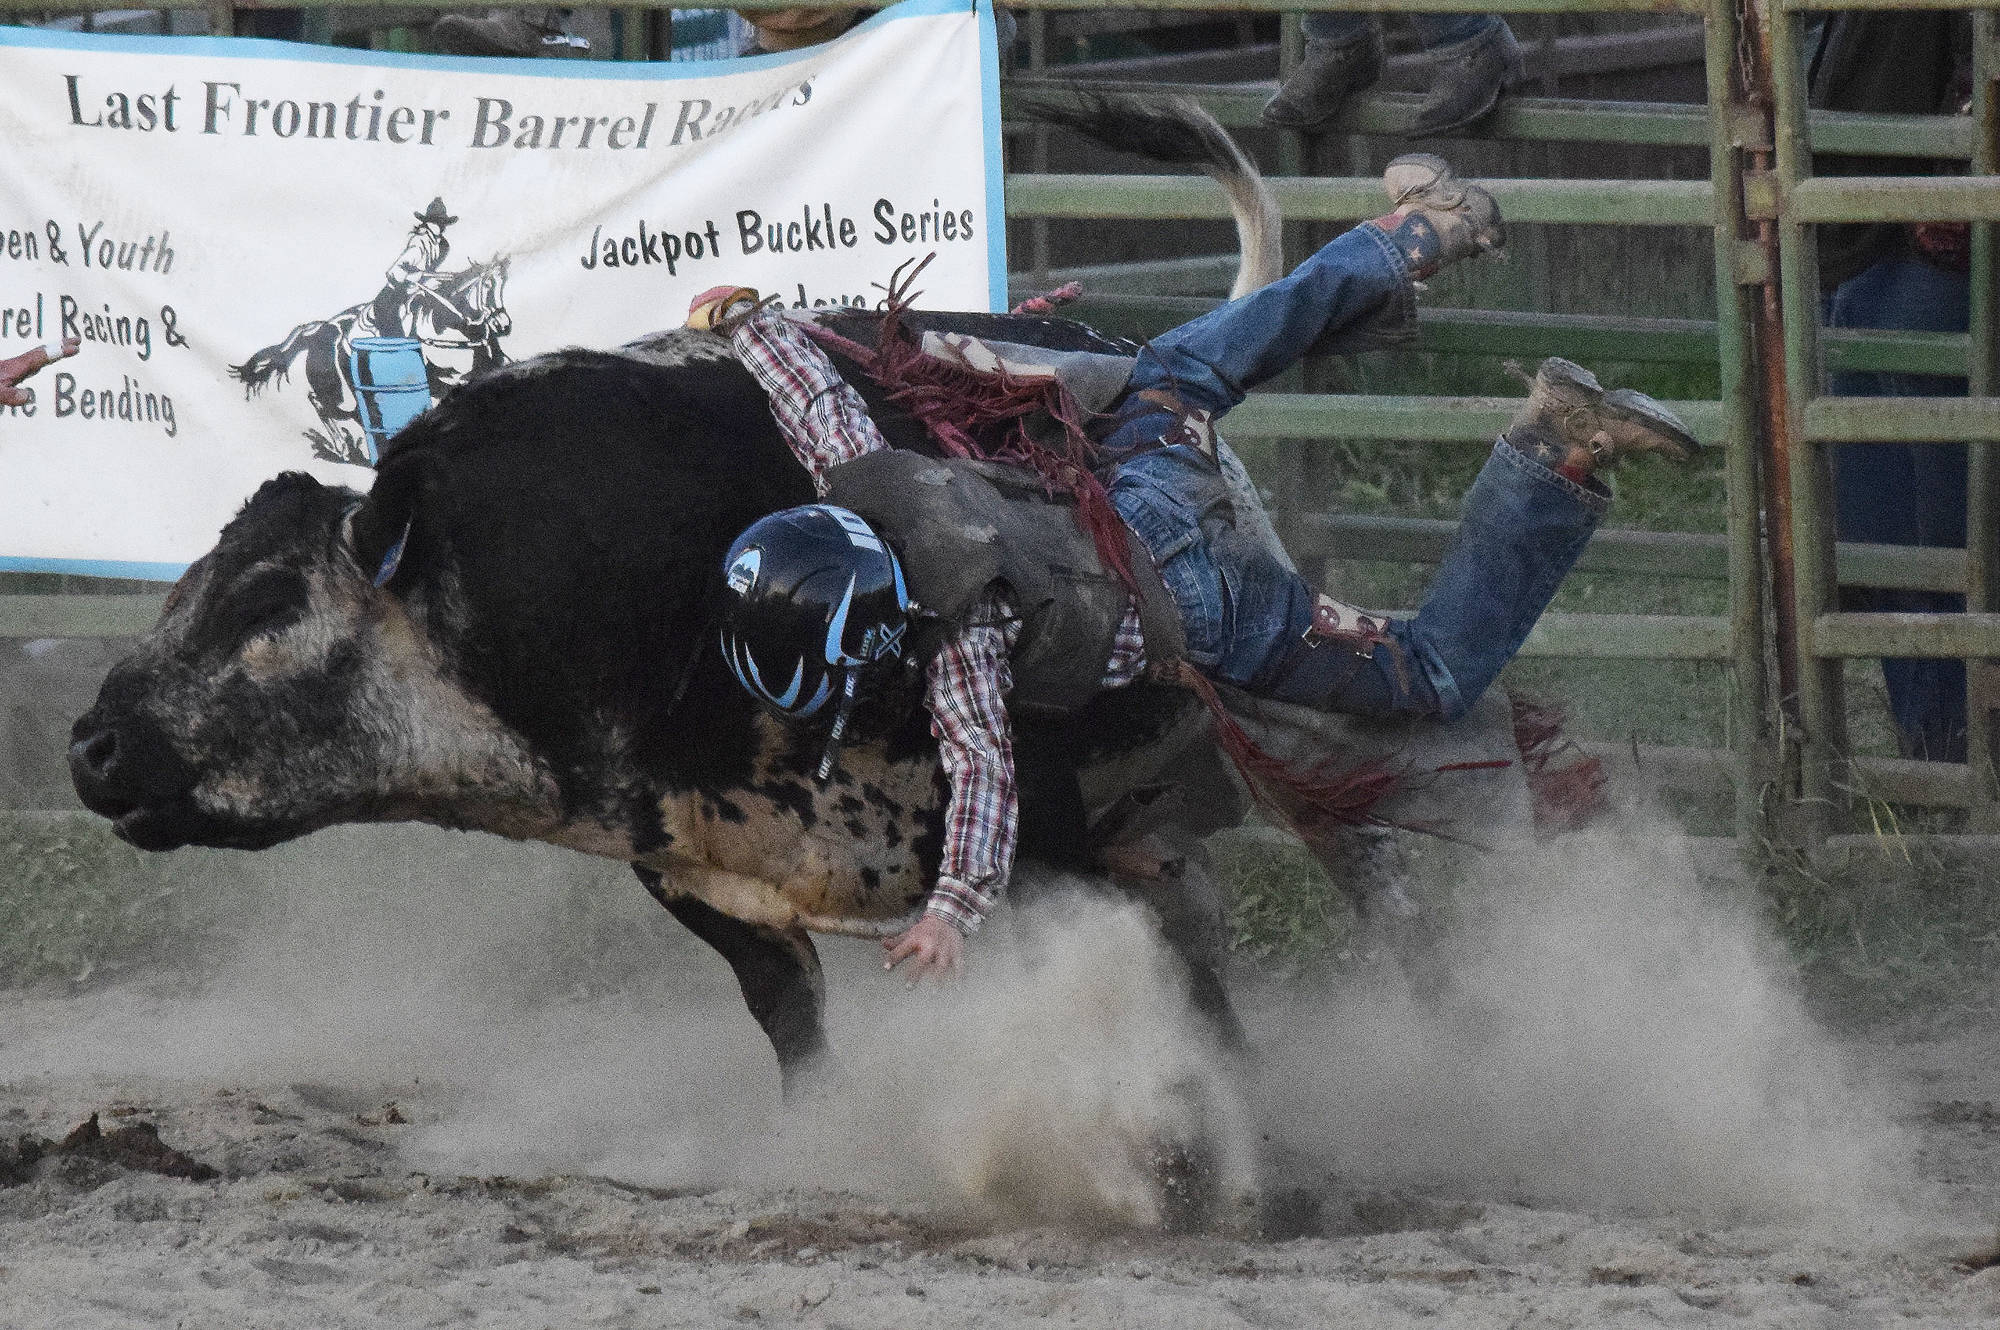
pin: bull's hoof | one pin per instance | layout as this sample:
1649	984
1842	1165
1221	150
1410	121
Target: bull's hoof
1286	1213
1189	1183
1185	1159
810	1081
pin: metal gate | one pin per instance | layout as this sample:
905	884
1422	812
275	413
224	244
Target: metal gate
1783	639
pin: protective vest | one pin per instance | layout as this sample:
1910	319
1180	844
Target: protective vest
960	526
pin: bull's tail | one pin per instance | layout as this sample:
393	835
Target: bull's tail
273	361
1176	129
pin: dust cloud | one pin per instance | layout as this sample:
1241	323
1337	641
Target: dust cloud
1595	1031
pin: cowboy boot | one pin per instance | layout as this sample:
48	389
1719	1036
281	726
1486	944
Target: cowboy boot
521	34
1439	219
1469	78
1571	420
1326	77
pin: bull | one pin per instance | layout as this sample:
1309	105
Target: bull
513	631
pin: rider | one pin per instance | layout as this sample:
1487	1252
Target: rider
422	253
817	595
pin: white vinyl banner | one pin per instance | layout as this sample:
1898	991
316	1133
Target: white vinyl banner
266	248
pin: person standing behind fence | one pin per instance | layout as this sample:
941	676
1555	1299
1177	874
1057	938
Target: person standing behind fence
1474	57
775	30
1889	275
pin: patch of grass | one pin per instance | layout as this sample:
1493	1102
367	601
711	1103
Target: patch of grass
1899	933
1283	907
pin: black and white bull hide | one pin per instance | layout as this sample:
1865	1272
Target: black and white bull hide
542	665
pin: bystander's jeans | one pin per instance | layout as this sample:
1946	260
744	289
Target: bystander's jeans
1906	494
1433	30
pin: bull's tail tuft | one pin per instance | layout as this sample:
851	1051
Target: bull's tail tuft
1178	130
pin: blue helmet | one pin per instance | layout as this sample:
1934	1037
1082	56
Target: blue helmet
814	596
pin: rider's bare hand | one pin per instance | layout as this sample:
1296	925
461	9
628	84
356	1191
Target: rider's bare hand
16	368
933	947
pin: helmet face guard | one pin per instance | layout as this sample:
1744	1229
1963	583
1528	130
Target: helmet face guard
815	595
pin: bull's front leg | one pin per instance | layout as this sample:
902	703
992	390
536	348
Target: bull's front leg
777	969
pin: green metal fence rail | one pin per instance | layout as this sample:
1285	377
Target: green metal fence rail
1789	760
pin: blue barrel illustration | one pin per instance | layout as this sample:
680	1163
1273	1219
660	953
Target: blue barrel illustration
391	387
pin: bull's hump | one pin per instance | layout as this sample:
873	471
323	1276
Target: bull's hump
673	347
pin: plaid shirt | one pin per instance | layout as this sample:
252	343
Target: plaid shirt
966	685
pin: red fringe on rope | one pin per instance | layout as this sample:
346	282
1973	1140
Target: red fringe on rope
1047	303
983	415
1565	797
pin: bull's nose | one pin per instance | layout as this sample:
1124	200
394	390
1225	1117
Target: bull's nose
120	763
93	755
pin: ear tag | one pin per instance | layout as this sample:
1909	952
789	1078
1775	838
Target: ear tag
392	558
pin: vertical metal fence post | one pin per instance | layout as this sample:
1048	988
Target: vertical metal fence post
1293	459
1982	528
1823	779
1730	116
1038	152
635	36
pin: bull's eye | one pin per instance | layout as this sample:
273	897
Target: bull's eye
267	602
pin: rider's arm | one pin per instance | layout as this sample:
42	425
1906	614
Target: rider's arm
826	423
967	690
822	418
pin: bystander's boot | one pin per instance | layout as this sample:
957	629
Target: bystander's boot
1467	80
1326	77
520	33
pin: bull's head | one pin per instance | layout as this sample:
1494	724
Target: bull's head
282	691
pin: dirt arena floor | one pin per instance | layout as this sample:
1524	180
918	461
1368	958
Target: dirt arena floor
397	1097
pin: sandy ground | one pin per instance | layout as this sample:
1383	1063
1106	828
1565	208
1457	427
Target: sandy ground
1611	1110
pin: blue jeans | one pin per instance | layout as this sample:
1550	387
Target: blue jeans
1245	614
1433	30
1906	494
1356	282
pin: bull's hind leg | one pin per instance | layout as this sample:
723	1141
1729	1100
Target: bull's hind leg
778	971
1180	889
1168	872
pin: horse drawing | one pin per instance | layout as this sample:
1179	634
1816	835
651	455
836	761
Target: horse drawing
450	314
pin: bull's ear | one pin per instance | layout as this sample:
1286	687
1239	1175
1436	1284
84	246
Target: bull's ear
380	532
